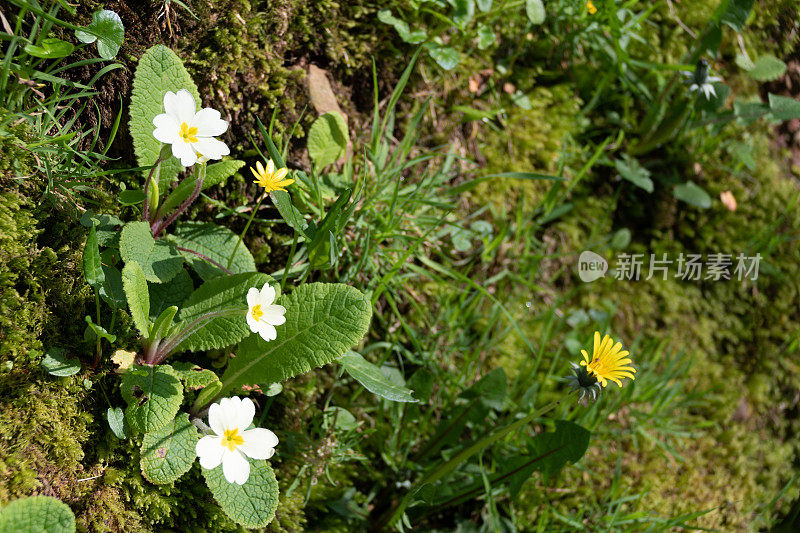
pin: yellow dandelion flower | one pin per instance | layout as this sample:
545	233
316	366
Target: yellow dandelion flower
590	7
270	178
608	361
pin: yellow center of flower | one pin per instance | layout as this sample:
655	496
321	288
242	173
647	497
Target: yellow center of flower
188	134
257	313
231	439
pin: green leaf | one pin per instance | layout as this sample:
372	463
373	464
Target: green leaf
289	213
412	37
159	71
160	260
50	48
92	267
106	226
744	62
174	292
447	57
549	452
327	139
216	174
37	514
169	452
226	299
107	29
692	194
116	421
463	11
485	37
131	197
736	12
767	68
194	376
112	291
491	389
535	11
251	505
630	169
163	323
783	108
372	379
323	321
484	5
154	395
339	418
215	242
57	363
99	331
135	286
208	393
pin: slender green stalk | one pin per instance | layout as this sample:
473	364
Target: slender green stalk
244	231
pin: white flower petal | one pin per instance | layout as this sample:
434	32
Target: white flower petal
267	294
183	151
267	331
185	108
210	449
259	443
229	412
245	414
252	323
252	297
171	105
167	128
235	467
208	123
211	148
273	314
215	419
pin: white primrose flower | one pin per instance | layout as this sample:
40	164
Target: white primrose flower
232	443
262	315
190	133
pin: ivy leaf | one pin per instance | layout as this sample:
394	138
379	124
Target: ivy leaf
371	377
57	363
630	169
446	56
160	260
251	505
692	194
153	394
216	174
135	286
535	11
50	48
215	242
169	452
116	421
405	33
107	29
226	297
327	139
159	71
37	513
323	321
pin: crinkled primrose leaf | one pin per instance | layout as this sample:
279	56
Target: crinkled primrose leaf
160	260
216	243
169	452
251	505
154	395
37	513
193	376
323	321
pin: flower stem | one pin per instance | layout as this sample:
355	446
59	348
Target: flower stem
159	226
146	206
246	227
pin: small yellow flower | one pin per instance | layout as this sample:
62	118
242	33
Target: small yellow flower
590	7
607	361
269	178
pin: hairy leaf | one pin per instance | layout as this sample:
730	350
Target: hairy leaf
42	514
251	505
174	292
92	268
160	260
159	71
135	286
323	321
226	299
215	242
169	452
154	394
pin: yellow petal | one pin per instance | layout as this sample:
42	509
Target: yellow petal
260	168
280	174
270	167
